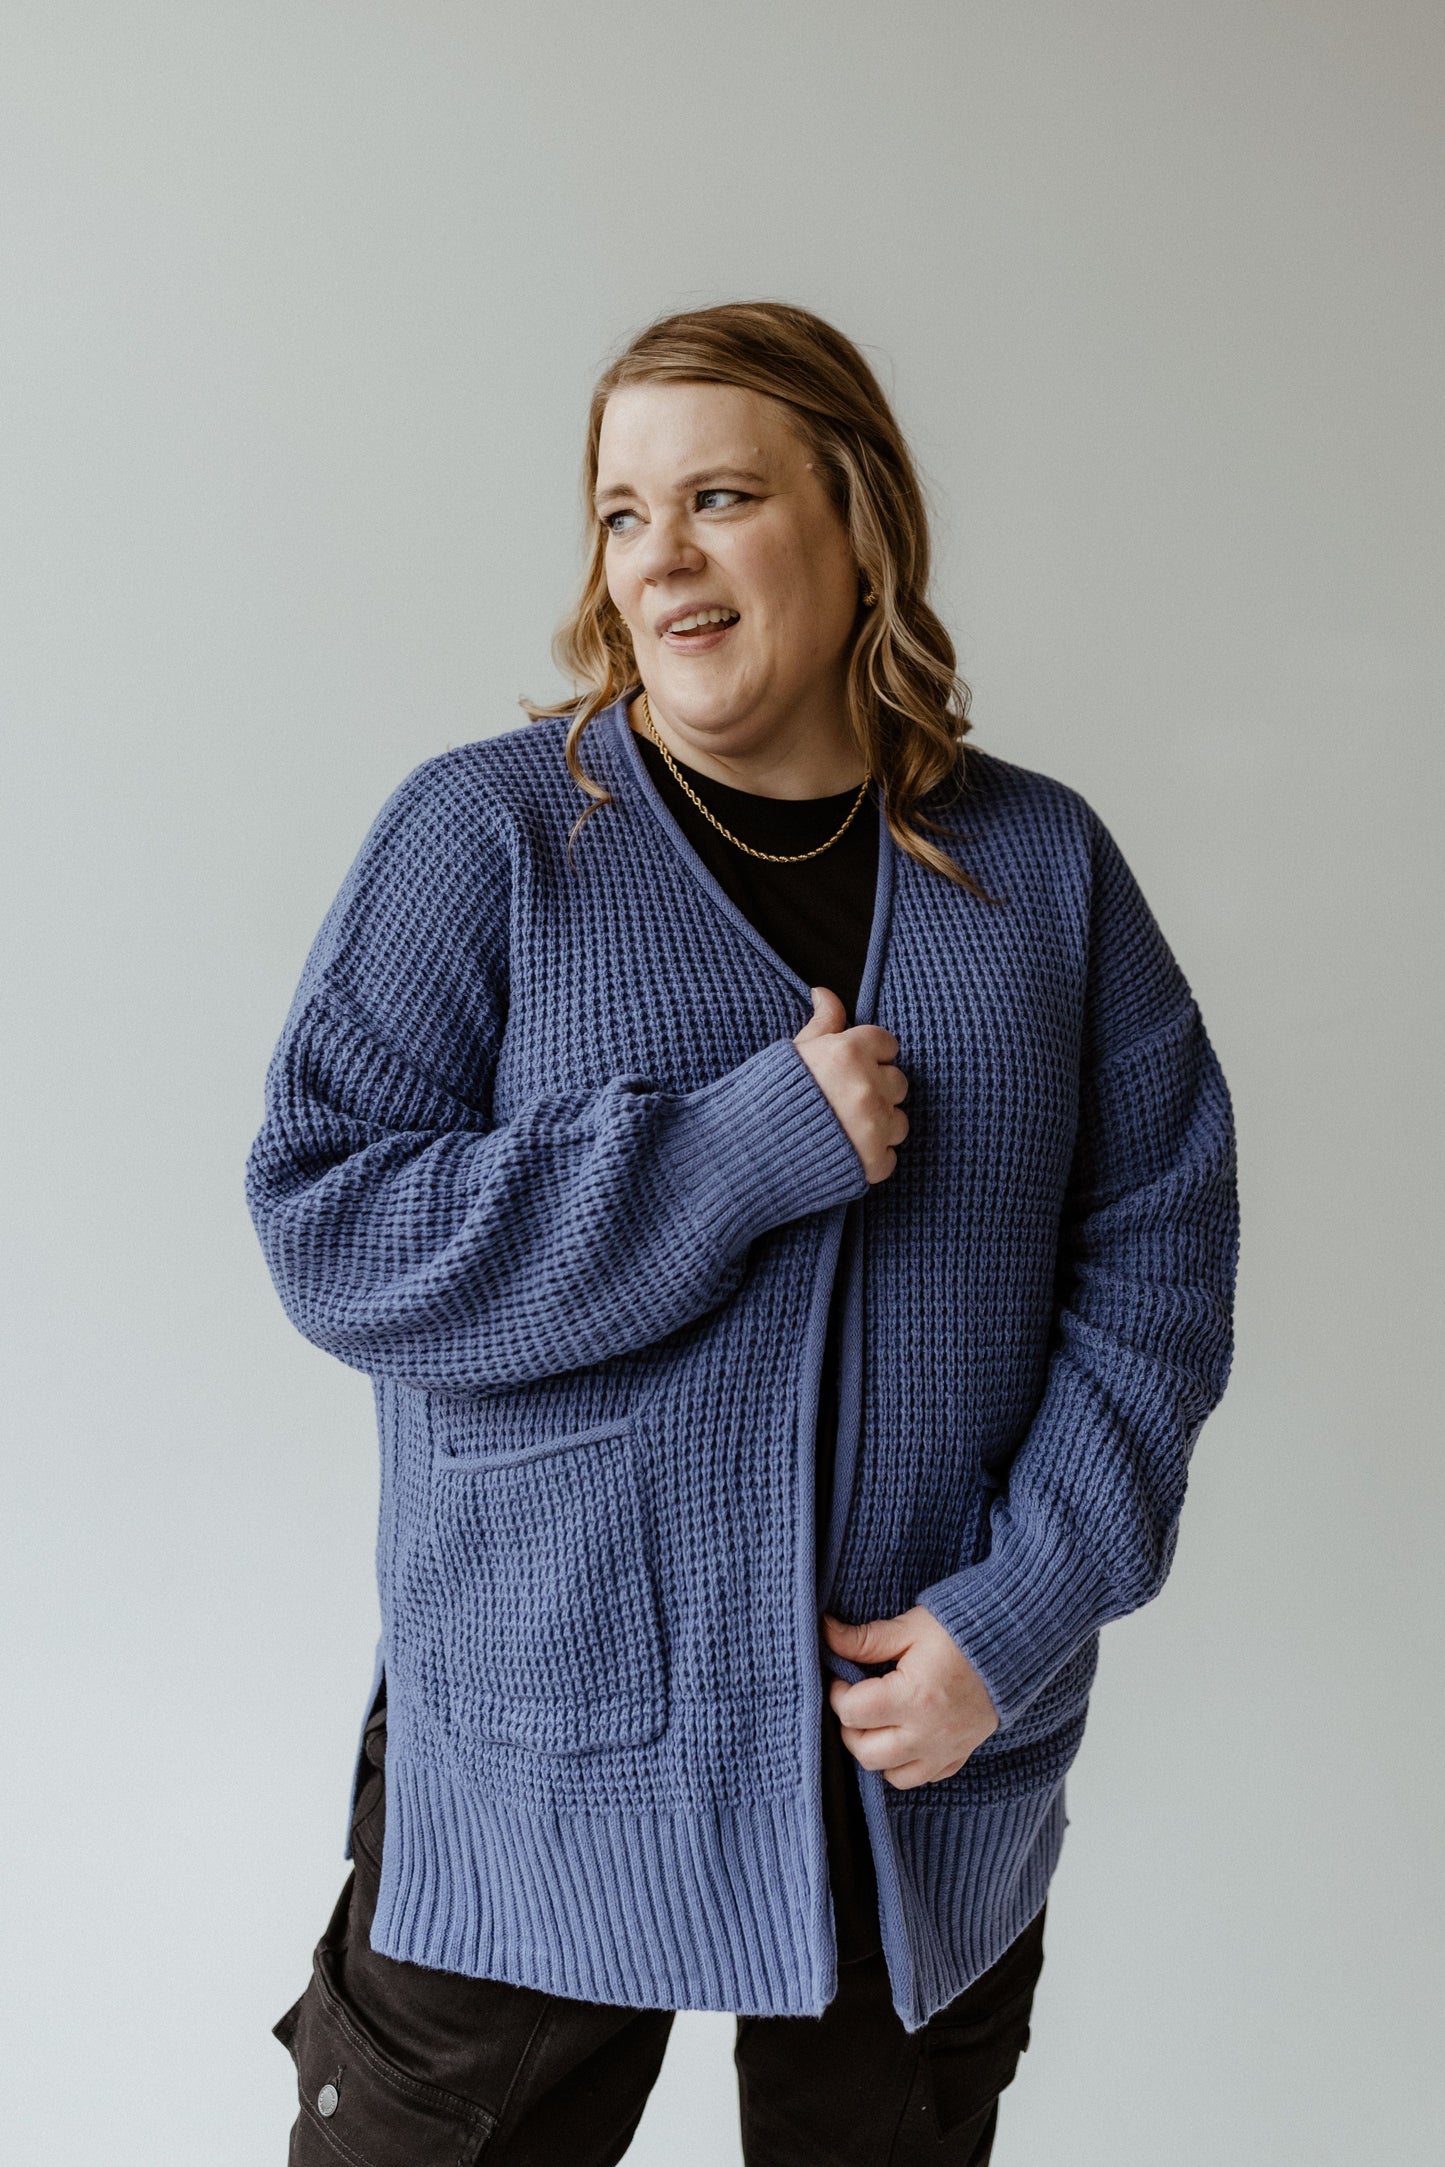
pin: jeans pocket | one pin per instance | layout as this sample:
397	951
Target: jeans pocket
358	2105
969	2064
368	1823
536	1598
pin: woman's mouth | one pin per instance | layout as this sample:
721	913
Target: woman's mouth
699	630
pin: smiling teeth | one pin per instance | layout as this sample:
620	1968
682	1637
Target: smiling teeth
704	617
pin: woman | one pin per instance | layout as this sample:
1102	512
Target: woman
706	1375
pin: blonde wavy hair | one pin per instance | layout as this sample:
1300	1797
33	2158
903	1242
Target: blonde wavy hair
907	707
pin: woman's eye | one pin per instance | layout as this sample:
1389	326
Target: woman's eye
704	500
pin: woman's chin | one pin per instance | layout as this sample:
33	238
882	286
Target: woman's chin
700	700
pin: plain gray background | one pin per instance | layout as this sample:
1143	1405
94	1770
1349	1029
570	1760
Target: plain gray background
301	307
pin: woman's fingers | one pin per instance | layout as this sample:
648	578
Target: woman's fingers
873	1041
919	1721
855	1069
911	1774
866	1703
882	1748
895	1756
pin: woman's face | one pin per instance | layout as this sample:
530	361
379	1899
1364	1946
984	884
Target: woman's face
712	503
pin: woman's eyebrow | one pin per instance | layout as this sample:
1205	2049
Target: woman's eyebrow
699	480
718	474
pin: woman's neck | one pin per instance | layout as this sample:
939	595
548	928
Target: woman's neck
817	763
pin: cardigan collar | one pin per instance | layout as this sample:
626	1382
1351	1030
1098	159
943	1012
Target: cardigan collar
624	737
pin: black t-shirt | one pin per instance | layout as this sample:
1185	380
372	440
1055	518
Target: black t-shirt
817	915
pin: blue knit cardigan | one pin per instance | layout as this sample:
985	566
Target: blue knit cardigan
540	1157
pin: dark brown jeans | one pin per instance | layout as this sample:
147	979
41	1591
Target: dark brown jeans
402	2066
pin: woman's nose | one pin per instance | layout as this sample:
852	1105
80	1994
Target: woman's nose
668	547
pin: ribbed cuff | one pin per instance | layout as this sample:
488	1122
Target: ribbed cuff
1018	1616
761	1146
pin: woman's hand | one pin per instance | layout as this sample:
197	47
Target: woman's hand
852	1068
923	1718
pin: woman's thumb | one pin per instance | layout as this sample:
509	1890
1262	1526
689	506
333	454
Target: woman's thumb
877	1640
829	1014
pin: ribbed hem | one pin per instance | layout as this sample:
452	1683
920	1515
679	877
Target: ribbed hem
970	1878
646	1910
760	1146
693	1910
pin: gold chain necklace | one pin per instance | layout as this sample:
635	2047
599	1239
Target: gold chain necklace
773	857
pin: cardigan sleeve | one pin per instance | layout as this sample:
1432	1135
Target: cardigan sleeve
413	1236
1084	1523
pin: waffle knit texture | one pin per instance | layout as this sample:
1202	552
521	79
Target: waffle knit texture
540	1157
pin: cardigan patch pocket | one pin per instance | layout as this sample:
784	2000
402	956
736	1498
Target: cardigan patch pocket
540	1599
